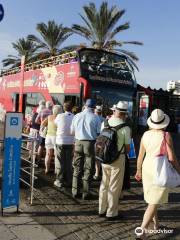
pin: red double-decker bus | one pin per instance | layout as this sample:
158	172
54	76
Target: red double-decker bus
74	76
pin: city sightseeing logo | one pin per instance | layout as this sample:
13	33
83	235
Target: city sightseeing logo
139	231
1	12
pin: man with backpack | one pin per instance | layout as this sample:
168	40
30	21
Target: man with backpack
111	147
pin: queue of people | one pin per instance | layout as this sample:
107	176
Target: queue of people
71	139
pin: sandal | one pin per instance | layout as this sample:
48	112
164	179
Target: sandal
156	227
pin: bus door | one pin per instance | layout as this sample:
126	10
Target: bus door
75	100
61	98
15	99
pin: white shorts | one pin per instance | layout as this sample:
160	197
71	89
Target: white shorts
50	142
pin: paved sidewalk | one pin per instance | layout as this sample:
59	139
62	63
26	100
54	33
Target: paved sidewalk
55	215
20	226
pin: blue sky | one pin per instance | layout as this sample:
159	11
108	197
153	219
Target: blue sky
154	22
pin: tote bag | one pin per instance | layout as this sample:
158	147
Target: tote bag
166	175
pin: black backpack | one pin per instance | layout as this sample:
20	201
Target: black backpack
106	149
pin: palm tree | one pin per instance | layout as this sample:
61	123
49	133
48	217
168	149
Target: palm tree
100	28
24	47
53	36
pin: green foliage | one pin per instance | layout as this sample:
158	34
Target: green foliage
53	35
24	47
100	27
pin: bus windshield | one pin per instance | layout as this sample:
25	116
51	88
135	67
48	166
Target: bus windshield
99	65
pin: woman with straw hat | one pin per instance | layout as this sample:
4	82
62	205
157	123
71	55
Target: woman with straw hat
150	147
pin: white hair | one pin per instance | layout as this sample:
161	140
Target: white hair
49	104
57	109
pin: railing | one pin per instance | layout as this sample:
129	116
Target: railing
48	62
28	165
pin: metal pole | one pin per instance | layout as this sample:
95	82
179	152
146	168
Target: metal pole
33	157
21	84
2	213
17	208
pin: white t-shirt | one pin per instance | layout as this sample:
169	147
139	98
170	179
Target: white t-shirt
63	134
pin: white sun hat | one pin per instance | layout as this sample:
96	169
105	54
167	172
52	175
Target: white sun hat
158	119
113	107
122	106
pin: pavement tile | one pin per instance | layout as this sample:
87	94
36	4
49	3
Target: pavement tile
16	220
106	235
32	231
94	236
5	233
81	235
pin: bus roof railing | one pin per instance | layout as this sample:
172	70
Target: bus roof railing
47	62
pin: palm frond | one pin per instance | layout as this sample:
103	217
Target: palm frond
100	27
23	47
52	36
10	61
120	28
83	31
133	42
130	54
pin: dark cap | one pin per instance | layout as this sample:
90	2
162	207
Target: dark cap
90	103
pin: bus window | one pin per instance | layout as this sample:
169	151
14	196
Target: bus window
104	66
58	99
32	101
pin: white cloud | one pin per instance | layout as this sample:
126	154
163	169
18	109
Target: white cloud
157	77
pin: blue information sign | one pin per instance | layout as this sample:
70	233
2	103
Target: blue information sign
11	163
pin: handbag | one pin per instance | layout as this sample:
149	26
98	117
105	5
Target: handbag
165	174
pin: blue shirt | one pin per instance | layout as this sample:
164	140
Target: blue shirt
86	125
101	118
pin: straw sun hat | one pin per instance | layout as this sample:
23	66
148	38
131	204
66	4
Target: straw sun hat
158	119
122	106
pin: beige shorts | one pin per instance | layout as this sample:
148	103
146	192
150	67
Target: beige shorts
50	142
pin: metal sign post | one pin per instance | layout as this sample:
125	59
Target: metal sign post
11	162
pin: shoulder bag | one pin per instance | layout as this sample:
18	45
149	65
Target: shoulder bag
165	174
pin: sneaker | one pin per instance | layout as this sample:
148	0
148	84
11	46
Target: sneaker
58	184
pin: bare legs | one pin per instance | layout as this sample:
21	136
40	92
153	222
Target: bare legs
155	220
48	157
97	169
40	152
150	213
